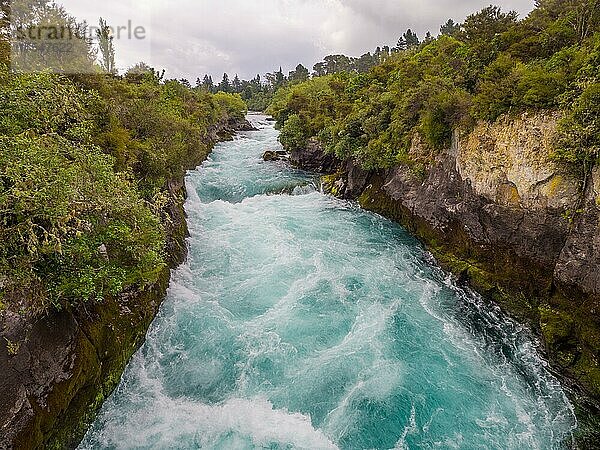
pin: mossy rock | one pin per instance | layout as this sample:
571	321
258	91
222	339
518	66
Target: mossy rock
334	184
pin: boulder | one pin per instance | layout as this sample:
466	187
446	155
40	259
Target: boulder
271	155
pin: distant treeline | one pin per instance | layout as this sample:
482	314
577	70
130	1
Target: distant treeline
258	92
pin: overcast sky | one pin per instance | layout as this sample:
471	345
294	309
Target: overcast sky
192	37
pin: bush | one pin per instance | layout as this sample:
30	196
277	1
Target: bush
231	105
294	134
61	204
580	130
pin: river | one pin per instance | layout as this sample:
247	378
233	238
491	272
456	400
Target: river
302	321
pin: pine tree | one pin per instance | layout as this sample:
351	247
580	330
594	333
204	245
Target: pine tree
411	39
279	78
236	85
401	45
225	85
299	75
207	83
450	28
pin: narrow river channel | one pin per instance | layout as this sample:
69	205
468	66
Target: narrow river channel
302	321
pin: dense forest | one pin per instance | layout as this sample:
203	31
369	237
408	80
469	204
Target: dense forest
491	64
84	165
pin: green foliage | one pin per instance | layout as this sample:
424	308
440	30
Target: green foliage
231	105
294	134
84	166
445	111
492	64
61	199
580	140
107	49
496	89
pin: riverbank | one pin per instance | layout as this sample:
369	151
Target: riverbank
59	367
499	213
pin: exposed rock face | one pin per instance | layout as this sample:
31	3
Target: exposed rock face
508	163
500	213
66	365
578	266
313	158
57	369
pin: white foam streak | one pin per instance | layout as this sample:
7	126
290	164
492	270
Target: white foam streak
165	422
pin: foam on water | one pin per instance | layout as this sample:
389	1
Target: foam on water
301	321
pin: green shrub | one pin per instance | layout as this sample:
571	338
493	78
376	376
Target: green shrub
231	105
61	203
580	130
294	134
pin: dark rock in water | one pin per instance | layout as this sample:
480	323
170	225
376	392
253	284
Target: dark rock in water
270	119
271	155
226	129
245	126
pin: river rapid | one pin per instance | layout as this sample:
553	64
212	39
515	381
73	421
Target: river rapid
302	321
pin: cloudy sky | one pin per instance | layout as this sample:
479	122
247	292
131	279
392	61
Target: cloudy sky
193	37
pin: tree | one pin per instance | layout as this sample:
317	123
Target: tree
299	75
142	71
580	131
4	32
488	23
279	78
319	69
337	64
411	39
450	28
224	85
107	48
207	83
236	85
364	63
586	19
68	51
276	79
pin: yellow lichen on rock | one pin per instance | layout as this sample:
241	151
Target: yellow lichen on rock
510	162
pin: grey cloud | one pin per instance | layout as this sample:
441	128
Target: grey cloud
193	37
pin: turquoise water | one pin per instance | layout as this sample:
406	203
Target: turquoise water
301	321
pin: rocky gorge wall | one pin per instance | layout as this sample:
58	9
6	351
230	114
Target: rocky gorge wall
500	213
57	369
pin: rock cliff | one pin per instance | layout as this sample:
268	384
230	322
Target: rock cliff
498	211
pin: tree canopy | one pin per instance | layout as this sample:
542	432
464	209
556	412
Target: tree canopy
491	64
